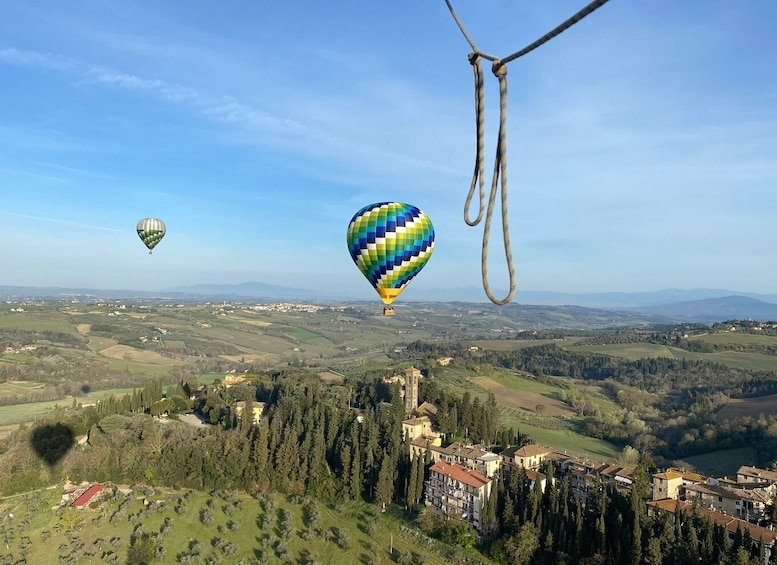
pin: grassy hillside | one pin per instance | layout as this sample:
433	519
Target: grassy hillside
535	408
190	526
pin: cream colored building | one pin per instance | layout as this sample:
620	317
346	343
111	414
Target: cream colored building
455	491
667	485
670	483
529	456
257	406
417	427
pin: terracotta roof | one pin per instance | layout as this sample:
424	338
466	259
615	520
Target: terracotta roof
87	496
421	441
461	474
417	421
465	451
730	493
531	450
557	456
693	477
757	473
426	409
534	476
668	475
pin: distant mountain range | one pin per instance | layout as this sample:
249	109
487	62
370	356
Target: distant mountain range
703	305
716	309
249	290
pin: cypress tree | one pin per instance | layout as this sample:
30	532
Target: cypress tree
412	484
488	515
419	488
384	491
356	473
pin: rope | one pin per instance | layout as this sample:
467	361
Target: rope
477	175
499	179
500	166
558	30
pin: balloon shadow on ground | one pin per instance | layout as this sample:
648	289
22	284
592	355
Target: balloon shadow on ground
52	442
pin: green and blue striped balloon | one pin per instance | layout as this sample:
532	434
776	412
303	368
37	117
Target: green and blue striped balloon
390	242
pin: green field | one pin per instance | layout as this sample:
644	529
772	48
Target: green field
18	413
135	367
560	433
634	351
568	441
736	338
13	388
210	377
241	530
38	321
97	343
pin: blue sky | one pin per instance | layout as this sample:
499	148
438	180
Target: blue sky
642	142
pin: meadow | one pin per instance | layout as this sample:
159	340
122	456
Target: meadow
554	425
736	338
30	411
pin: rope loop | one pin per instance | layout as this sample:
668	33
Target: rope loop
499	181
478	174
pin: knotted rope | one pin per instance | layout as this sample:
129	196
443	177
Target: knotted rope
499	178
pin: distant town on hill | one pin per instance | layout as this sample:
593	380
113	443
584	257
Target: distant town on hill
667	305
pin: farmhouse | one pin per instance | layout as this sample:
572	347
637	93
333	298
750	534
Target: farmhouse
87	495
258	409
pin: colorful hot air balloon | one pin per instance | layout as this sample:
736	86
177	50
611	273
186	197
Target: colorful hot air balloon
390	242
151	232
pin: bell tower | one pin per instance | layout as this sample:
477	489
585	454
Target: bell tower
412	376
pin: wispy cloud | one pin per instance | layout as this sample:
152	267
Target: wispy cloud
71	170
270	128
61	222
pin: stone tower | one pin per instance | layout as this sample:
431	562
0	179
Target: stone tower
412	375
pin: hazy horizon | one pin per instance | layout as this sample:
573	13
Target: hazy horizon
641	142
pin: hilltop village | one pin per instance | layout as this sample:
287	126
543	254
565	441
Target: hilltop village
462	475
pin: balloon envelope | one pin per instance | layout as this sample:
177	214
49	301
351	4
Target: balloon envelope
390	242
151	232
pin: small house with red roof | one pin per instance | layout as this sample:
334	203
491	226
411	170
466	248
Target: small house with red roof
87	495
